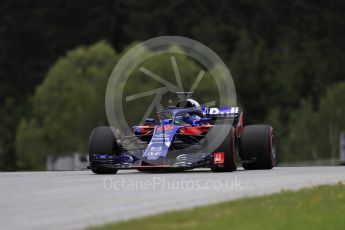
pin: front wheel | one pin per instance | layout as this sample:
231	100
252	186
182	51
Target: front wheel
101	170
225	155
103	142
257	145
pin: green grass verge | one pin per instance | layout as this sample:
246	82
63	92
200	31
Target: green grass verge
321	207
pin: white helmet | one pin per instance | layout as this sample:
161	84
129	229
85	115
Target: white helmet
189	103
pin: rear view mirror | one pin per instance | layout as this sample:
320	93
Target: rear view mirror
150	120
205	119
167	121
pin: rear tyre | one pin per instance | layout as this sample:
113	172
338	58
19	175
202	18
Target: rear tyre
103	141
257	144
228	147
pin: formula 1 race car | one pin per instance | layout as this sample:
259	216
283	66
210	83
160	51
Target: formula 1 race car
185	137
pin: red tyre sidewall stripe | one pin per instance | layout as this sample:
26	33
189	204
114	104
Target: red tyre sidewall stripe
271	146
234	152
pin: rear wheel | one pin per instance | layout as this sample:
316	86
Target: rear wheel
226	150
257	145
102	142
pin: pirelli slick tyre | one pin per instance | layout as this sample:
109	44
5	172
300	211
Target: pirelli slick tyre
102	170
257	145
103	141
228	147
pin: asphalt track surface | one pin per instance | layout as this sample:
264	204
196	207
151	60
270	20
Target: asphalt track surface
78	199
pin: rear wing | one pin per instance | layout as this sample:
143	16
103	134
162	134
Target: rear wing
233	115
221	112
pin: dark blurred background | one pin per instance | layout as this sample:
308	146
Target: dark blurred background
287	59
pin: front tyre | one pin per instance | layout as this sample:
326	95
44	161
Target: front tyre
102	170
102	142
227	148
257	145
